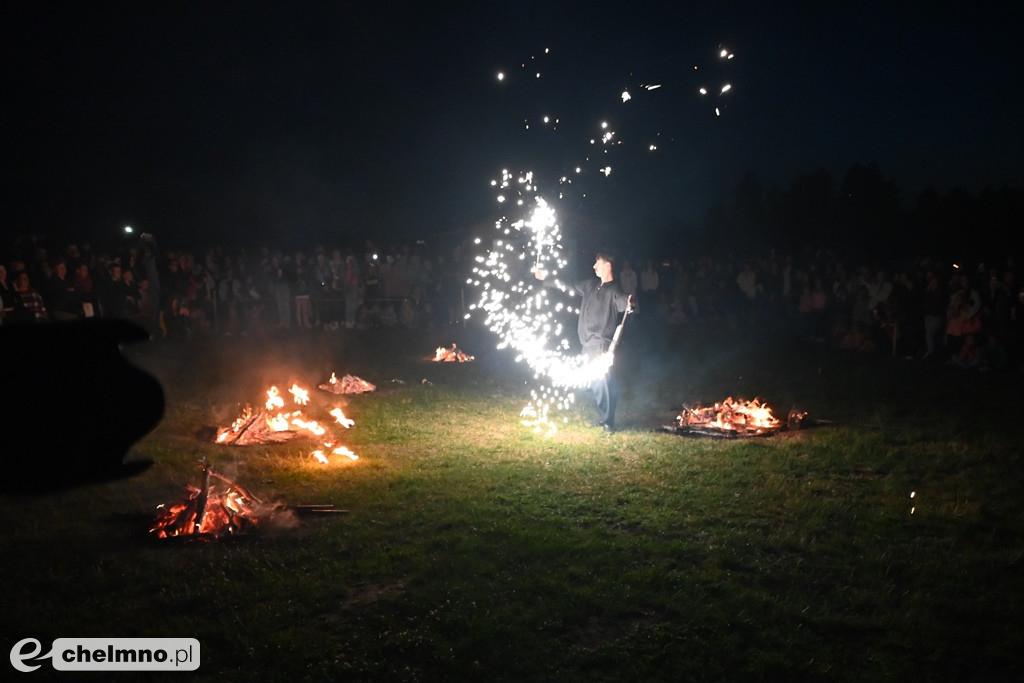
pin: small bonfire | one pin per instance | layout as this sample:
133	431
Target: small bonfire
219	506
349	384
452	355
275	425
731	418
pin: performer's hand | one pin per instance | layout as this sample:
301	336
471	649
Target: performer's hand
540	273
631	302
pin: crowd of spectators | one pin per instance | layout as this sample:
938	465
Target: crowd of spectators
968	316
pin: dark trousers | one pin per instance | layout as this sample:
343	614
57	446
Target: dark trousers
604	391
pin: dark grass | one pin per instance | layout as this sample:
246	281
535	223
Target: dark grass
473	549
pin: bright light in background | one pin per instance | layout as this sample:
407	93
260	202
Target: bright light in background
127	229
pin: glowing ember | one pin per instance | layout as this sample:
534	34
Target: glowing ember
452	355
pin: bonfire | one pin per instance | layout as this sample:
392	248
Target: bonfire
733	418
274	425
349	384
452	355
218	507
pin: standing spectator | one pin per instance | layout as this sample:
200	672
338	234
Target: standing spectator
302	289
392	279
649	279
933	306
281	282
962	317
628	279
149	271
351	287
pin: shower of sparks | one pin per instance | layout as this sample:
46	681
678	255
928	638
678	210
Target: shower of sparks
525	314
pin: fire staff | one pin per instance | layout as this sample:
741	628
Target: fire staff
603	301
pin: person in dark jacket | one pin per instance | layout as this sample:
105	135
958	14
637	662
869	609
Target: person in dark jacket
603	303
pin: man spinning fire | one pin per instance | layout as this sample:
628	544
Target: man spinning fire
599	327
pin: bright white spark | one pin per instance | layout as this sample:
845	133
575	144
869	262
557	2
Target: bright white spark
625	96
501	76
726	88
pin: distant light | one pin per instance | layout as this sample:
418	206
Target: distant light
127	229
501	76
703	91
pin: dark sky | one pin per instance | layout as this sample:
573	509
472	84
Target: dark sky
328	121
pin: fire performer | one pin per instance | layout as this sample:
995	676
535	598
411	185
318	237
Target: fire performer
603	301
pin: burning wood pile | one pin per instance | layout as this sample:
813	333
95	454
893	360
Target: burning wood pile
349	384
265	426
218	507
452	355
732	418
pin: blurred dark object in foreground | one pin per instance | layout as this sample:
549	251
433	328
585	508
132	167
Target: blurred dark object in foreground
71	405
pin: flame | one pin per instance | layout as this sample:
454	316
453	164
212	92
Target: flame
274	399
311	426
299	395
338	415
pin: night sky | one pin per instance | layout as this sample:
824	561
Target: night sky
329	122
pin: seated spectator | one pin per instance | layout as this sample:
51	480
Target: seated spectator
28	305
62	296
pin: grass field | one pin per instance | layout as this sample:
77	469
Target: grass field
884	545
